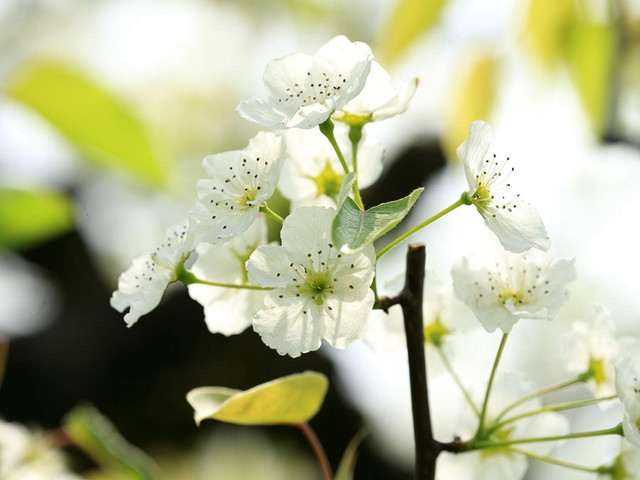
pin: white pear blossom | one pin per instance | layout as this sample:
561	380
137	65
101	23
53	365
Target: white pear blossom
228	310
141	286
442	314
319	293
516	223
628	389
526	285
27	455
497	463
379	99
241	181
626	465
312	174
304	90
591	347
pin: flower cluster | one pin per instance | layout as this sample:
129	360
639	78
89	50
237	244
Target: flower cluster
306	289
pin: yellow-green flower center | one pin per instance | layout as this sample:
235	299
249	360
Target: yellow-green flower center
482	196
316	285
435	332
516	297
328	182
598	371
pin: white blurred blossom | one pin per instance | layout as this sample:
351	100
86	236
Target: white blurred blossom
26	455
498	463
527	285
228	310
312	174
319	291
628	389
591	347
378	100
626	465
304	90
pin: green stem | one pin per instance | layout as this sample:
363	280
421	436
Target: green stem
355	135
265	209
316	446
494	369
482	445
326	128
188	278
456	379
555	461
539	393
553	408
463	200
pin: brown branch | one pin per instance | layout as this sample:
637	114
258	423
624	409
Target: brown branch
410	299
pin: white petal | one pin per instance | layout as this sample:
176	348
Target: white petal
306	230
140	288
286	327
346	321
473	150
226	310
269	266
519	229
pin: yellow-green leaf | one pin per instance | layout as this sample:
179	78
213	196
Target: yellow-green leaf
472	101
101	126
547	24
407	21
591	53
292	399
94	434
27	218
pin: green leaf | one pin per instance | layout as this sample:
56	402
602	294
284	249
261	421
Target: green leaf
27	218
349	458
354	229
94	434
407	21
591	53
292	399
100	125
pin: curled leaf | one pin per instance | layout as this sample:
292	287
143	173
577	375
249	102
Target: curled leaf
288	400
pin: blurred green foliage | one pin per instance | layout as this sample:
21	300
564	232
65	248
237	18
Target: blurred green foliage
30	217
101	126
95	435
406	22
471	101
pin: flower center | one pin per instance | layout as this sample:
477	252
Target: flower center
328	182
482	196
597	370
247	198
435	332
514	297
316	285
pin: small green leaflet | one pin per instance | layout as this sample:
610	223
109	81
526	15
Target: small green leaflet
354	229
